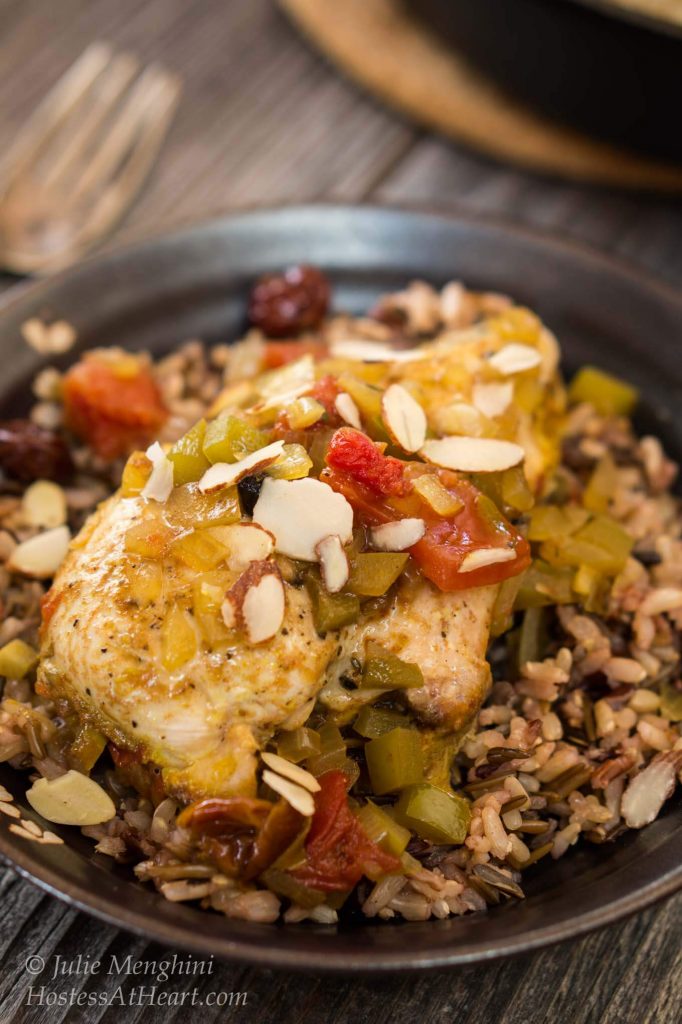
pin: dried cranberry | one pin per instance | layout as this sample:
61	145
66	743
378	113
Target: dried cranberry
29	452
249	490
286	304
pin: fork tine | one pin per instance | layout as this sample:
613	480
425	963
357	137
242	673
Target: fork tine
149	131
120	192
57	105
149	88
106	91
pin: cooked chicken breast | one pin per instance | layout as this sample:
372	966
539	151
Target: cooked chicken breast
108	652
169	626
446	635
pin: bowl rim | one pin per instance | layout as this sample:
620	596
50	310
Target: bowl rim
278	956
634	16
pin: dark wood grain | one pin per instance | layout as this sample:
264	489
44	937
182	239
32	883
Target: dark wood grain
265	120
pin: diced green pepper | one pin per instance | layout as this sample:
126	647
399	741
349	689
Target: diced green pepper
549	522
187	456
298	744
532	636
372	573
609	395
433	814
331	611
284	884
17	658
601	485
187	507
394	760
304	411
516	494
332	753
602	544
506	490
294	855
385	671
229	439
293	464
671	702
383	829
438	751
372	721
86	749
544	584
503	609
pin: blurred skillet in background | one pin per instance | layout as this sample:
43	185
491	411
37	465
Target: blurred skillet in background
612	68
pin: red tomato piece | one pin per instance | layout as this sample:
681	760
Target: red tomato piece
113	412
279	353
355	454
339	851
325	391
440	552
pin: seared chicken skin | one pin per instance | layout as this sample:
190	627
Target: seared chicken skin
180	627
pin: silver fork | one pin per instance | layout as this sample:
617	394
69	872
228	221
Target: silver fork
81	158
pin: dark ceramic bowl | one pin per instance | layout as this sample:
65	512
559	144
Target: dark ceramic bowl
194	284
593	64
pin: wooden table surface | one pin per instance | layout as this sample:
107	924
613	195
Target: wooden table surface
266	120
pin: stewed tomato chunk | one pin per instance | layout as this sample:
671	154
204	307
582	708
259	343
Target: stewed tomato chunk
113	404
338	850
381	489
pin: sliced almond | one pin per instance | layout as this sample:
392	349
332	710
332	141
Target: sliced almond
348	410
472	454
493	399
160	482
364	351
291	771
256	602
41	556
301	513
515	358
228	611
247	542
647	792
223	474
71	799
485	556
300	799
263	609
333	563
403	417
44	505
398	536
